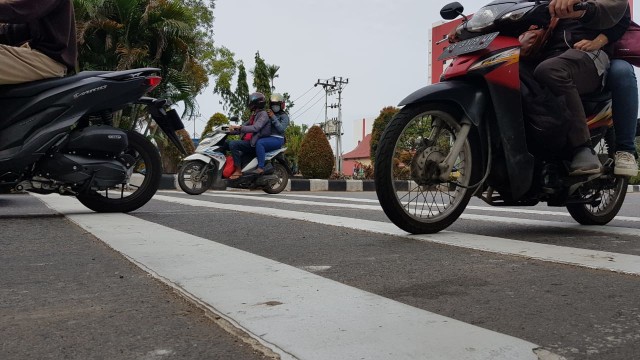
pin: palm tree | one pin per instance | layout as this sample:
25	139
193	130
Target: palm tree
166	34
273	73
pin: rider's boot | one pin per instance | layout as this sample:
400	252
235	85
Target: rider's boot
585	162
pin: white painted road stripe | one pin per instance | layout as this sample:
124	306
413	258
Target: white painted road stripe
298	314
607	229
593	259
513	210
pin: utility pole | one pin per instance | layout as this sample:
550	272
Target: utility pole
336	84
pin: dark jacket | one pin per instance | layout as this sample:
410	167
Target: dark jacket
47	25
569	32
603	14
261	127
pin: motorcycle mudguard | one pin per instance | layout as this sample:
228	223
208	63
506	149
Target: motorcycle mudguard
205	159
168	121
471	98
282	161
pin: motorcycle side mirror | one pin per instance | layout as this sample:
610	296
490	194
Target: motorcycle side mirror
452	11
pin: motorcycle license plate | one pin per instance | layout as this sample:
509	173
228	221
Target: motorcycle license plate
468	46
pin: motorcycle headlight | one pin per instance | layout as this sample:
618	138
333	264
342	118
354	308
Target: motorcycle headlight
484	18
515	15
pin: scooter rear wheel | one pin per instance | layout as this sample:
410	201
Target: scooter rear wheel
146	174
283	179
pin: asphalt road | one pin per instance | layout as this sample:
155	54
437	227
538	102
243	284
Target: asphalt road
65	294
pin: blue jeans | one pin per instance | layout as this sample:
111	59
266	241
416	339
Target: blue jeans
264	145
624	91
239	148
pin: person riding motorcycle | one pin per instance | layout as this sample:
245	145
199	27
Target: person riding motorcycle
251	131
37	40
569	71
279	122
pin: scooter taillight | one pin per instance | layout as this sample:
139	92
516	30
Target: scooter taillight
152	82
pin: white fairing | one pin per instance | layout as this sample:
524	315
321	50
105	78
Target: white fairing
220	160
268	156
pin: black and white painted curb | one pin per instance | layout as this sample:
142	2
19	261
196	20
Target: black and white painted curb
169	182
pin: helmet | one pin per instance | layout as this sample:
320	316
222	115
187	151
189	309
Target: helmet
256	101
278	100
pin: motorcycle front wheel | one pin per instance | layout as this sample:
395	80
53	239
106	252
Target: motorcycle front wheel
406	173
143	183
194	177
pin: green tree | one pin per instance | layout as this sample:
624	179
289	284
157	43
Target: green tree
379	124
172	35
316	157
294	135
287	100
261	76
272	70
241	94
216	119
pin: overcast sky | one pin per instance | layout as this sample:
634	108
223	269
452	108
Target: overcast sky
380	45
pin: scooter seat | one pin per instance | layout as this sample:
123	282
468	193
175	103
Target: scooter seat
36	87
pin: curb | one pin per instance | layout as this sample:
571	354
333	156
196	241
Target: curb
170	182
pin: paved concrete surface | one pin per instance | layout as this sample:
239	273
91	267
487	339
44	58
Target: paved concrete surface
65	295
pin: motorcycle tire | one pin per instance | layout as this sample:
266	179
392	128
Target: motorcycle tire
204	185
281	172
387	165
586	214
152	177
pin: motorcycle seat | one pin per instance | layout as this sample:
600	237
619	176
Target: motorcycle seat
596	97
36	87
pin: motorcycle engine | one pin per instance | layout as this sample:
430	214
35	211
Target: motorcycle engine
94	153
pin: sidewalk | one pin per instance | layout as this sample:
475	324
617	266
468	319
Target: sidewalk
66	295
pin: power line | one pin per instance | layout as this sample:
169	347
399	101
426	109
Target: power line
299	97
310	107
305	104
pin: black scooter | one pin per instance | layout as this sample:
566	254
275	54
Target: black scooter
57	136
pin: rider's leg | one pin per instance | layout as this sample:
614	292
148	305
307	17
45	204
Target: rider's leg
624	91
22	64
265	145
239	147
568	75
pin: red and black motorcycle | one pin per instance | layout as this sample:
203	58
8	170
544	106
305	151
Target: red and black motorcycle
468	135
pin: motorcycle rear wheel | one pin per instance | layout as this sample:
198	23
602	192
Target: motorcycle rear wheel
611	199
148	164
283	179
191	185
413	143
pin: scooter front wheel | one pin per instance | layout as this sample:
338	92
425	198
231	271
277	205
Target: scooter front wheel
195	177
412	189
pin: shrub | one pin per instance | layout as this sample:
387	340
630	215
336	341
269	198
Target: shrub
215	120
379	124
315	159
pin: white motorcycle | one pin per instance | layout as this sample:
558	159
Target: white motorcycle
199	171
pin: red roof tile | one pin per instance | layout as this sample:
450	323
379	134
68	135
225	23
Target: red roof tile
361	151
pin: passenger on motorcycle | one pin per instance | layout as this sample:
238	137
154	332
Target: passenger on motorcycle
256	127
279	122
37	40
569	71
